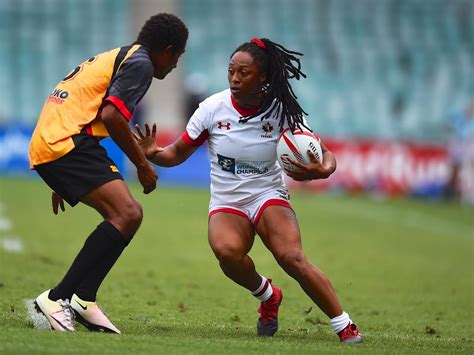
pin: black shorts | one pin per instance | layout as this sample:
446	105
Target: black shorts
80	171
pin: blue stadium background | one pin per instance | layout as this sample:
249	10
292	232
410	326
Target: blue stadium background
389	69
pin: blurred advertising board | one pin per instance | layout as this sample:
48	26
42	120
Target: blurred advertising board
14	147
388	167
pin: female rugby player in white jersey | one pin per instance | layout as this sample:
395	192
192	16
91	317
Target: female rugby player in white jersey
248	193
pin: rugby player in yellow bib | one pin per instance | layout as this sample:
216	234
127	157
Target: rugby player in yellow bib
96	100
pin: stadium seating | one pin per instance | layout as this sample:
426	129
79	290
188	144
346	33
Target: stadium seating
389	68
41	40
385	68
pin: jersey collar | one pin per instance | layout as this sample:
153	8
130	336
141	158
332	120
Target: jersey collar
244	112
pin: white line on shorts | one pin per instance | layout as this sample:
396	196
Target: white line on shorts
35	318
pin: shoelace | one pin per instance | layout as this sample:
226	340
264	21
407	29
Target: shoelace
68	312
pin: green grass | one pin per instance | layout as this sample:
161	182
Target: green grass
403	269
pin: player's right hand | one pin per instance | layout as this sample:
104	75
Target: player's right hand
147	177
147	141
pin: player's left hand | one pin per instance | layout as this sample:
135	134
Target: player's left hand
147	141
312	171
57	201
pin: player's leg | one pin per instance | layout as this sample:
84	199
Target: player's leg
88	174
118	208
122	217
231	237
279	231
125	215
116	204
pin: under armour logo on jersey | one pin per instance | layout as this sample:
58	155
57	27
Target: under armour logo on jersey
220	125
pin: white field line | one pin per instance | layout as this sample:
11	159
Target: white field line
12	245
37	319
5	223
9	243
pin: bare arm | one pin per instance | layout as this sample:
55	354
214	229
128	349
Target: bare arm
171	155
174	154
120	132
314	170
329	160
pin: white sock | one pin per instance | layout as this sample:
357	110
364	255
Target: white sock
265	291
340	322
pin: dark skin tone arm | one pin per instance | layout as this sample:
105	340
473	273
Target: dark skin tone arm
117	126
171	155
120	132
314	170
176	153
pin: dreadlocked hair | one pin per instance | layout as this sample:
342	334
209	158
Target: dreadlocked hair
280	65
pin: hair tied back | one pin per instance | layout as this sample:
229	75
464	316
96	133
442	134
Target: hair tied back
258	42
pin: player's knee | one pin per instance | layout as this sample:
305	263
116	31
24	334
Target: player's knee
132	214
292	260
137	215
228	254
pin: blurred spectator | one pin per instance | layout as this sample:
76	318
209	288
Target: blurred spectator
196	87
461	150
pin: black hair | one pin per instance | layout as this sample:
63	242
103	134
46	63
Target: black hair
280	64
163	30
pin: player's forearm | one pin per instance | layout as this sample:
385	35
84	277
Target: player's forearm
121	133
167	157
329	160
173	154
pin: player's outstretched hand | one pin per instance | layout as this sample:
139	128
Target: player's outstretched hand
312	171
147	141
57	201
147	177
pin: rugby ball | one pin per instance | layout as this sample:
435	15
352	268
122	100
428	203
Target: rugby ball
296	145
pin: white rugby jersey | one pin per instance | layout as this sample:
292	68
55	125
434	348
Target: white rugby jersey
243	155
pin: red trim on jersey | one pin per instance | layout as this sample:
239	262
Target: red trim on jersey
120	105
195	142
227	210
244	112
268	203
88	129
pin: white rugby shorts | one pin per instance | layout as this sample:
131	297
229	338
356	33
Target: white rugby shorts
253	210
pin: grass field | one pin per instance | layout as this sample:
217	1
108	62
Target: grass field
402	269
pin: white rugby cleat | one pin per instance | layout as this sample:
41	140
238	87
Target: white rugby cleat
58	313
91	316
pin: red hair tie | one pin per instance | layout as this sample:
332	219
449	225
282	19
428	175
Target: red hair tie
258	42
